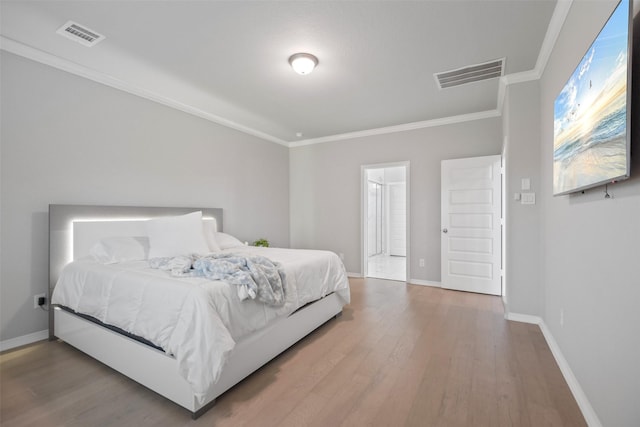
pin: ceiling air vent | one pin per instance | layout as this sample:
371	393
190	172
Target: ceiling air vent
470	74
82	35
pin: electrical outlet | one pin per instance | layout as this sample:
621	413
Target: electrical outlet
37	297
421	262
562	317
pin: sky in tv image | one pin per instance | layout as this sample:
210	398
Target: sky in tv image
590	113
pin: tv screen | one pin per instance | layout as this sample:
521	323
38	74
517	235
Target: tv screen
591	143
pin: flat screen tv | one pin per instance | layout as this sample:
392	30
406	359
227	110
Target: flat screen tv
592	129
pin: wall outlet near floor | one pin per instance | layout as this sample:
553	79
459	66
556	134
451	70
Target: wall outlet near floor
36	300
562	317
421	262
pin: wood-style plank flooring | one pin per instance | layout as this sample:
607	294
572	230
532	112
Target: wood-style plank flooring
400	355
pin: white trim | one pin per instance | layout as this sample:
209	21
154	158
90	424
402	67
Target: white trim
587	410
355	275
24	340
555	26
399	128
502	91
551	36
42	57
524	318
407	190
364	232
553	31
525	76
421	282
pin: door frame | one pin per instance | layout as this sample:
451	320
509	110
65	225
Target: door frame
364	194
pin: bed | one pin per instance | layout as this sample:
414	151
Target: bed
205	348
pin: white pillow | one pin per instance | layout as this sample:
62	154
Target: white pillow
120	249
227	241
209	227
176	235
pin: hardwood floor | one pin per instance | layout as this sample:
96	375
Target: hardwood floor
399	355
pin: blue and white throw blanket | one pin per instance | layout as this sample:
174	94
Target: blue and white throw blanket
256	277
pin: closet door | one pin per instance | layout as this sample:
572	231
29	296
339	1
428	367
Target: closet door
397	219
375	219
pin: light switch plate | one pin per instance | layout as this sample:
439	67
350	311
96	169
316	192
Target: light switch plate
516	197
526	184
528	199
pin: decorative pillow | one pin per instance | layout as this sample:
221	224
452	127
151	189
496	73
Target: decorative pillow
227	241
176	235
120	249
209	227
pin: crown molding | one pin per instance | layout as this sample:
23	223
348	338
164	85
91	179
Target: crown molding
54	61
555	25
398	128
553	31
525	76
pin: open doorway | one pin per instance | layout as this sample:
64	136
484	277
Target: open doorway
385	221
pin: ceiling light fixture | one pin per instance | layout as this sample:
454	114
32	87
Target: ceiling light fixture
303	63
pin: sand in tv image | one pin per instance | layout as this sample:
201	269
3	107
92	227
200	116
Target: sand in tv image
590	114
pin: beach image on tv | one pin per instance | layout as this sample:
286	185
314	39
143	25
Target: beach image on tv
590	113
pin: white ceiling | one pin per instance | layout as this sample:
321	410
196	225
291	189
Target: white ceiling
227	60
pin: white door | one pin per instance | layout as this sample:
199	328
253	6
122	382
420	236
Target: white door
397	219
471	243
375	218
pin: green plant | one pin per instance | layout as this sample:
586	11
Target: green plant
261	242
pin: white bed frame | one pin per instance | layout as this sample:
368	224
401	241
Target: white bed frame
72	231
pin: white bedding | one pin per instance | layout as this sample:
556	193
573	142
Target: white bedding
196	320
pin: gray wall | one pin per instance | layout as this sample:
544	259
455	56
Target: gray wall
66	139
591	263
521	127
325	187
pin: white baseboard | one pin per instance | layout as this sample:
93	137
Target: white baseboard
425	283
588	412
524	318
355	275
24	340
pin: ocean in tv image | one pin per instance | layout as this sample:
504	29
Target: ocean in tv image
590	114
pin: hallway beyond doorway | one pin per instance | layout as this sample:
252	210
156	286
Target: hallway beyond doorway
387	267
385	221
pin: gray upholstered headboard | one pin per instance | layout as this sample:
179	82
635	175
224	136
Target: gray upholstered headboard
66	222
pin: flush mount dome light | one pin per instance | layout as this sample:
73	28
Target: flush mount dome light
303	63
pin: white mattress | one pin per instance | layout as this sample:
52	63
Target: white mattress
196	320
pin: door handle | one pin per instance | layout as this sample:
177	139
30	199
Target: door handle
445	231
